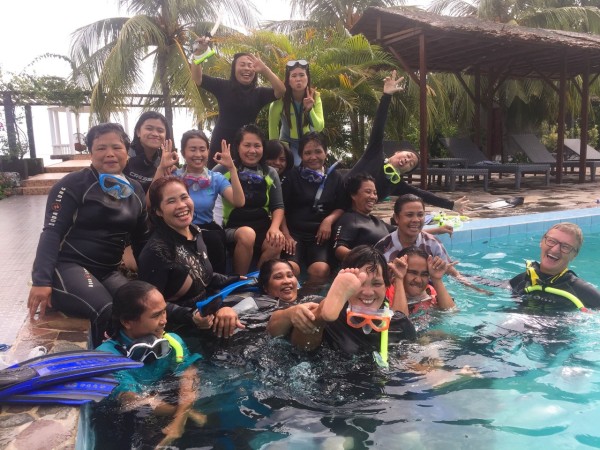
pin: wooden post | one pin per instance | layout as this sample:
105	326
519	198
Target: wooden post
30	137
585	98
423	110
11	121
560	147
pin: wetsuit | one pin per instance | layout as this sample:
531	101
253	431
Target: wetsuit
341	336
142	380
544	301
315	122
167	261
238	105
263	194
372	162
81	246
303	217
204	204
390	246
353	229
140	169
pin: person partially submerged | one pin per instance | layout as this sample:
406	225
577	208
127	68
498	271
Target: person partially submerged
355	316
549	285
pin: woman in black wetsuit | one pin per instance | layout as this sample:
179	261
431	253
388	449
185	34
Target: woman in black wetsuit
239	98
176	262
151	131
314	198
90	216
374	162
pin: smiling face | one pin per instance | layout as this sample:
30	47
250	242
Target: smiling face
279	163
552	260
250	149
417	276
282	283
313	155
152	134
151	321
244	70
176	207
195	154
298	80
410	220
404	161
372	292
109	154
365	198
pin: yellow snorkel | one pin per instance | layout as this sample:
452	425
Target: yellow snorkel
176	346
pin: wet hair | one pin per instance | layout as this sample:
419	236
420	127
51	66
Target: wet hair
288	97
319	138
232	77
364	255
250	128
354	182
274	148
573	230
266	270
192	134
412	250
104	128
155	195
135	143
129	303
404	199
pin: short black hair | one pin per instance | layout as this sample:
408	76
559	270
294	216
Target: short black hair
364	255
129	303
407	198
105	128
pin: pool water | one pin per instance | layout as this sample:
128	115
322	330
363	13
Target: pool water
486	376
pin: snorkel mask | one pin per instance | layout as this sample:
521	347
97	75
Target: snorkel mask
310	175
117	186
198	182
368	319
150	348
391	173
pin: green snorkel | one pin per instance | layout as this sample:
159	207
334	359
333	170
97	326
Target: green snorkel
381	356
176	346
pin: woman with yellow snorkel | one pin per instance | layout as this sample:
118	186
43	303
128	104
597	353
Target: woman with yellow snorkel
388	172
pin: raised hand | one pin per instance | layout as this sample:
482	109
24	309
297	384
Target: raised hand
392	84
258	64
398	267
200	45
460	205
224	156
436	267
309	101
169	158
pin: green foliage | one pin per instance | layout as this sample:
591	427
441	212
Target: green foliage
6	183
550	135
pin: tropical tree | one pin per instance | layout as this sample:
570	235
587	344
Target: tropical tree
160	31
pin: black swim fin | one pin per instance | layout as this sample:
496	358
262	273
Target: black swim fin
76	392
57	368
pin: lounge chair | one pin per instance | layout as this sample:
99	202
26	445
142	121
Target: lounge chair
538	154
464	148
574	145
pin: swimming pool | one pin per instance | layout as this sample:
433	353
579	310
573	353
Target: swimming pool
485	376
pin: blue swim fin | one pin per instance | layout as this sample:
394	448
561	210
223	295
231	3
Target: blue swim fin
76	392
58	368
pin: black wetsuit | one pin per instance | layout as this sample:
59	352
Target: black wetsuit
354	229
548	302
166	262
140	169
341	336
303	218
81	246
238	105
372	162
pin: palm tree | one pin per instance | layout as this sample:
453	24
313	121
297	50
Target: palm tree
158	29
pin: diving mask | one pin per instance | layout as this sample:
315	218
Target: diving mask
148	348
391	173
117	186
375	319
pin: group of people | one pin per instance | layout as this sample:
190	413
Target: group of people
284	209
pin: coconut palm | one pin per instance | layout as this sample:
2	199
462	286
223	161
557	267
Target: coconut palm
160	32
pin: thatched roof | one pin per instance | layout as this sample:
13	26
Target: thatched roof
459	44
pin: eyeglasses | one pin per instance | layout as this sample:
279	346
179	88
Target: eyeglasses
312	176
209	306
391	173
378	320
195	183
117	186
250	177
564	248
148	346
298	62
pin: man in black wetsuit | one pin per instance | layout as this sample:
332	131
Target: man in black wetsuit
549	285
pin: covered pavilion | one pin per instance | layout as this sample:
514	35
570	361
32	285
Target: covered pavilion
423	42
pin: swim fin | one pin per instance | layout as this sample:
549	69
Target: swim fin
249	284
58	368
76	392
